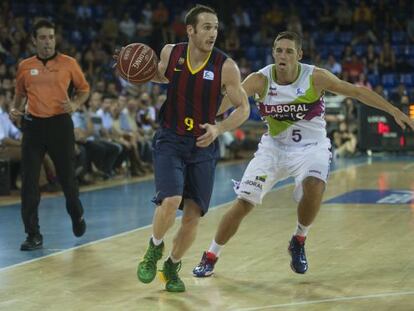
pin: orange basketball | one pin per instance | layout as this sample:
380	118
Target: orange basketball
137	63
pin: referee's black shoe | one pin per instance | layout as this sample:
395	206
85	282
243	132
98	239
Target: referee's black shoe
78	226
32	242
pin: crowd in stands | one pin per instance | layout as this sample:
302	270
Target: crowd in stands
369	43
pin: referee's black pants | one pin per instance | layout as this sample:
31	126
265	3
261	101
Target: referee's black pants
55	136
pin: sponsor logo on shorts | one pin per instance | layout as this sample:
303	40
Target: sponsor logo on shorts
253	183
261	178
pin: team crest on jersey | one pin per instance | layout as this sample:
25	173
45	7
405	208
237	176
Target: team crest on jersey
208	75
272	91
181	61
34	72
300	91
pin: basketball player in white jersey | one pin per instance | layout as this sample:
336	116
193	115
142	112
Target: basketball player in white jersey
289	95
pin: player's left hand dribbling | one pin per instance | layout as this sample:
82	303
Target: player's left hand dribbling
209	136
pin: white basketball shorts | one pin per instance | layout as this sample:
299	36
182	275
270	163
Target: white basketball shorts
273	162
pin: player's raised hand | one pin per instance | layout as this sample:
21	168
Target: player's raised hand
212	131
402	119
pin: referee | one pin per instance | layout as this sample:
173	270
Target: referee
43	82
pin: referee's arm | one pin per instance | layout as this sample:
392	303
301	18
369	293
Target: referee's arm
18	109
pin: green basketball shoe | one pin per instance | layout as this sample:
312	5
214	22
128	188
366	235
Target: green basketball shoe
169	274
147	268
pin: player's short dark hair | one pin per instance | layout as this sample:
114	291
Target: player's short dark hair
42	23
191	18
290	35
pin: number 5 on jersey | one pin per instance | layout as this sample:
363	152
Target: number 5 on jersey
296	136
189	123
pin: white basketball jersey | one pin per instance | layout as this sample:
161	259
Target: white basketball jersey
294	113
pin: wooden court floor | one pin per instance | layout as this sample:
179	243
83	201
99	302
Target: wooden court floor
360	258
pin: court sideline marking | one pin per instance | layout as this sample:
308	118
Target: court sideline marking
335	299
144	227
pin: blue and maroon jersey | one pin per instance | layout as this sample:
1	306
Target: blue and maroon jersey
193	95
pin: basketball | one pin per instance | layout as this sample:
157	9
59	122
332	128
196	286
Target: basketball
137	63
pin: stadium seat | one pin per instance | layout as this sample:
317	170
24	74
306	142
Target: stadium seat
337	50
374	79
409	51
251	53
330	37
407	79
345	37
398	37
389	80
360	49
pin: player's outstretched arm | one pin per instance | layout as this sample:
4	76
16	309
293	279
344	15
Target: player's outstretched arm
253	84
324	80
162	64
237	97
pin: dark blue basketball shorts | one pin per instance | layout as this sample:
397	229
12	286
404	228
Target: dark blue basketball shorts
181	168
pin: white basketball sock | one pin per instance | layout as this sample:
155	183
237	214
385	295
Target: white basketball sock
174	260
215	248
155	241
301	230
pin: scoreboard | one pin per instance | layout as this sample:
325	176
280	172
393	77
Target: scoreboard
378	131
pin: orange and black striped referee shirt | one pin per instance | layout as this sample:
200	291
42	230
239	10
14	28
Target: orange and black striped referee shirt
46	83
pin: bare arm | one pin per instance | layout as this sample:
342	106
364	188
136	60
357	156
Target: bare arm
18	109
254	84
80	98
324	80
10	142
236	95
163	64
238	98
71	105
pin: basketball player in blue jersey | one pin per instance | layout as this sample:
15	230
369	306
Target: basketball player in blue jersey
289	96
185	147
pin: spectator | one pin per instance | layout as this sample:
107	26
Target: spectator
178	30
294	24
241	19
353	68
344	142
129	143
344	16
127	27
399	93
387	58
363	81
333	66
371	60
379	89
326	17
274	18
410	28
232	43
